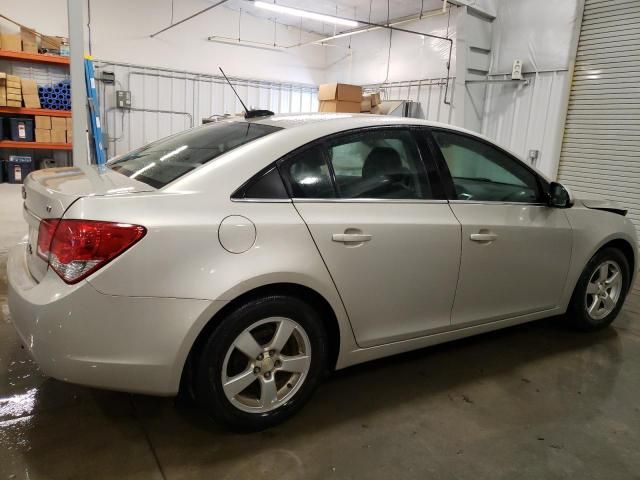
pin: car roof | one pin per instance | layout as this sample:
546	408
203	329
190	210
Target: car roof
292	120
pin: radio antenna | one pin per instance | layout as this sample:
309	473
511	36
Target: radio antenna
247	113
246	110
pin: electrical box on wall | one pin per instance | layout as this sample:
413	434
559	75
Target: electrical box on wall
533	157
123	99
516	72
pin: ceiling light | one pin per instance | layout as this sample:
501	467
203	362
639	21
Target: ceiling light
305	14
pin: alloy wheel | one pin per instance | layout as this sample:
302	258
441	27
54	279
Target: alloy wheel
266	365
603	290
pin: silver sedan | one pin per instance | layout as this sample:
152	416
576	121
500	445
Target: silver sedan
241	260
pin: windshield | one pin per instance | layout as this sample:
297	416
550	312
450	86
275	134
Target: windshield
165	160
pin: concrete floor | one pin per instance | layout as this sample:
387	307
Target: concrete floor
535	401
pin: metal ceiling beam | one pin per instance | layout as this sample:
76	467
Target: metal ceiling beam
188	18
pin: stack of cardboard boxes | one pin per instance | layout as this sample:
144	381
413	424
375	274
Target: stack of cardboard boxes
10	90
340	97
53	129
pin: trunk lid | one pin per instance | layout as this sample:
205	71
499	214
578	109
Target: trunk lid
48	193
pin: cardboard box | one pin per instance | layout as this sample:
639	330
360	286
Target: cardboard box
51	42
13	78
43	135
3	97
340	91
28	36
14	96
339	106
3	77
69	136
43	122
58	123
14	85
30	100
69	123
58	136
375	99
14	103
29	87
376	110
365	104
11	41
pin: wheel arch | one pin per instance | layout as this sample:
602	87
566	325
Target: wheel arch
627	250
305	293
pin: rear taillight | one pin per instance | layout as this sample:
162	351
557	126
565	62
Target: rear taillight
77	248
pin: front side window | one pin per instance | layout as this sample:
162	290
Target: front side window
481	172
165	160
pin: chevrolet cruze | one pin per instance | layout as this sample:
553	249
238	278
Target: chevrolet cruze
242	259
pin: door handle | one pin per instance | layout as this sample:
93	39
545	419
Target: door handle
483	237
351	237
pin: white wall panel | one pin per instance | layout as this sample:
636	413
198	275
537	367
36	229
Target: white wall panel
526	117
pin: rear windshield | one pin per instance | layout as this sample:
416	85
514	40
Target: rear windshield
165	160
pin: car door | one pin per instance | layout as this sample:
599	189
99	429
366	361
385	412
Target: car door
515	249
387	235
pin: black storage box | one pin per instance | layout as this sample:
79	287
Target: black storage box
19	129
18	167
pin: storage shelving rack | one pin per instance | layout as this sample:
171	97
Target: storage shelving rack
41	59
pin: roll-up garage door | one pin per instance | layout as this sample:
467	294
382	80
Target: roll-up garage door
601	146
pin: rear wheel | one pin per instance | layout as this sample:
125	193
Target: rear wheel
601	290
262	363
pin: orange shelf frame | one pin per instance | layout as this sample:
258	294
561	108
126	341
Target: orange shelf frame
34	57
36	111
35	145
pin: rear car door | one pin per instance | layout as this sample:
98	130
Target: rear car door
515	249
378	216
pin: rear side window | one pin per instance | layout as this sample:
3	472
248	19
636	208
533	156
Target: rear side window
308	174
371	164
382	164
165	160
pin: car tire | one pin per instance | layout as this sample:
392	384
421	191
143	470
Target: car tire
599	295
220	370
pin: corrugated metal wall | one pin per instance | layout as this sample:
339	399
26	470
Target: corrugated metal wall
167	101
601	149
524	117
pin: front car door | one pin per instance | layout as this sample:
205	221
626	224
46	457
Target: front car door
379	218
515	249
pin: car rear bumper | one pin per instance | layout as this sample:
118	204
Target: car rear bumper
79	335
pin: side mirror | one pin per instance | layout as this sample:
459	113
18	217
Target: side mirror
559	196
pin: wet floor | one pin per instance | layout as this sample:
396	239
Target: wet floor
534	401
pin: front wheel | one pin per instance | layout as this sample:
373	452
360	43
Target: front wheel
600	292
262	363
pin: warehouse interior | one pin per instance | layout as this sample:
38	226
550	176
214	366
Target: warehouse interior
555	82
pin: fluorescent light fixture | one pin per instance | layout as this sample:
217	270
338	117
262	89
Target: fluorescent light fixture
245	43
274	7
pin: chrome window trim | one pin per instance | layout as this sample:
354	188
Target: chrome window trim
262	200
492	202
365	200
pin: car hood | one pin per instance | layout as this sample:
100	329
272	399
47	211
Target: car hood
603	204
